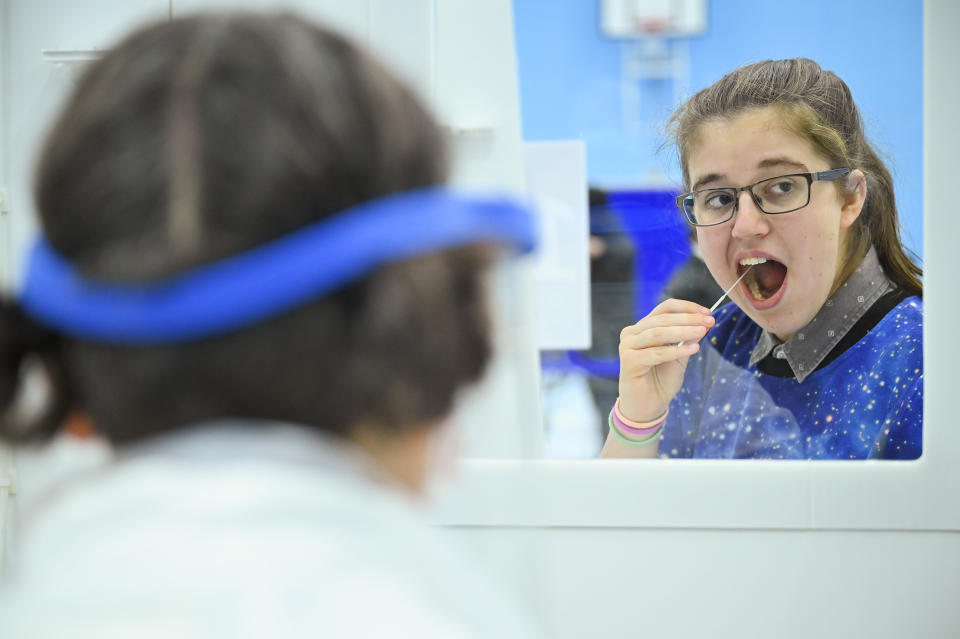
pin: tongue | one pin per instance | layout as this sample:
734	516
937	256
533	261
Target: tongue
769	276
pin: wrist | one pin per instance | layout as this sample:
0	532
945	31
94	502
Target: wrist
635	433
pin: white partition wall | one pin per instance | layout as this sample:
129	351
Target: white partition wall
5	240
5	463
476	97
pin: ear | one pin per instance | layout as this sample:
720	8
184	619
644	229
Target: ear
853	198
79	424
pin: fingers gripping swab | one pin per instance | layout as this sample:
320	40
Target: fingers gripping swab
724	296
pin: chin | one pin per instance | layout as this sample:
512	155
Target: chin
784	325
774	310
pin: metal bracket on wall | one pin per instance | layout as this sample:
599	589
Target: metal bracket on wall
71	57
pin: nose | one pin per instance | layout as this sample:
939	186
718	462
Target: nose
749	220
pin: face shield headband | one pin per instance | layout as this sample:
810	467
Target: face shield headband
271	279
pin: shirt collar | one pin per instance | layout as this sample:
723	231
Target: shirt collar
811	344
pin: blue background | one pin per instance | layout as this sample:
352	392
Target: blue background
569	75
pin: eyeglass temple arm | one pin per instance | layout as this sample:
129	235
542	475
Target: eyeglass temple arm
830	175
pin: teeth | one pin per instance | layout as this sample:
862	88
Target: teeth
752	285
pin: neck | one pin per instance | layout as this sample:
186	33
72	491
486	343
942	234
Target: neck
402	456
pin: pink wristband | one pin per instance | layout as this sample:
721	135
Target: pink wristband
619	425
636	428
650	439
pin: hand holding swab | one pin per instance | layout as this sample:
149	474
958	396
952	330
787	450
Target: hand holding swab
725	294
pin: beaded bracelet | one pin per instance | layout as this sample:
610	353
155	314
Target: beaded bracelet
629	442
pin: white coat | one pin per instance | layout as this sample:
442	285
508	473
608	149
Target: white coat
243	531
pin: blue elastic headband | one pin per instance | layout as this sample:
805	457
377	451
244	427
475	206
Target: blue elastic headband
270	279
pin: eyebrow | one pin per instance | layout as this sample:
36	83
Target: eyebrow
763	164
782	162
707	179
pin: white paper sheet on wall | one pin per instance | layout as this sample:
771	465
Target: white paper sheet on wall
557	185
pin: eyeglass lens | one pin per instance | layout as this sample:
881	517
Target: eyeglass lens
776	195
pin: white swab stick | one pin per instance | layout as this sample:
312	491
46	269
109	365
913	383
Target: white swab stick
724	296
727	292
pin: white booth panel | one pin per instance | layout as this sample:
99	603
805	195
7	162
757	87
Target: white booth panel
732	549
730	584
557	186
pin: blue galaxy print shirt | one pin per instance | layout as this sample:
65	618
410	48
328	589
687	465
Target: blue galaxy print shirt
867	402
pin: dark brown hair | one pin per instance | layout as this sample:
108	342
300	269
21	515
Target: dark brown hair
816	105
199	138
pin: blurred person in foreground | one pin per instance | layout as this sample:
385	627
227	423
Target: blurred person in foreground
252	283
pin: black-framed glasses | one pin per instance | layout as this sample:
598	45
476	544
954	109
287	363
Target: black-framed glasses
773	196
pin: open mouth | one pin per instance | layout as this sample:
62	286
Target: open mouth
765	278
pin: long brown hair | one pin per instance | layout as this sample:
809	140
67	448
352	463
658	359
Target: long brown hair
816	105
